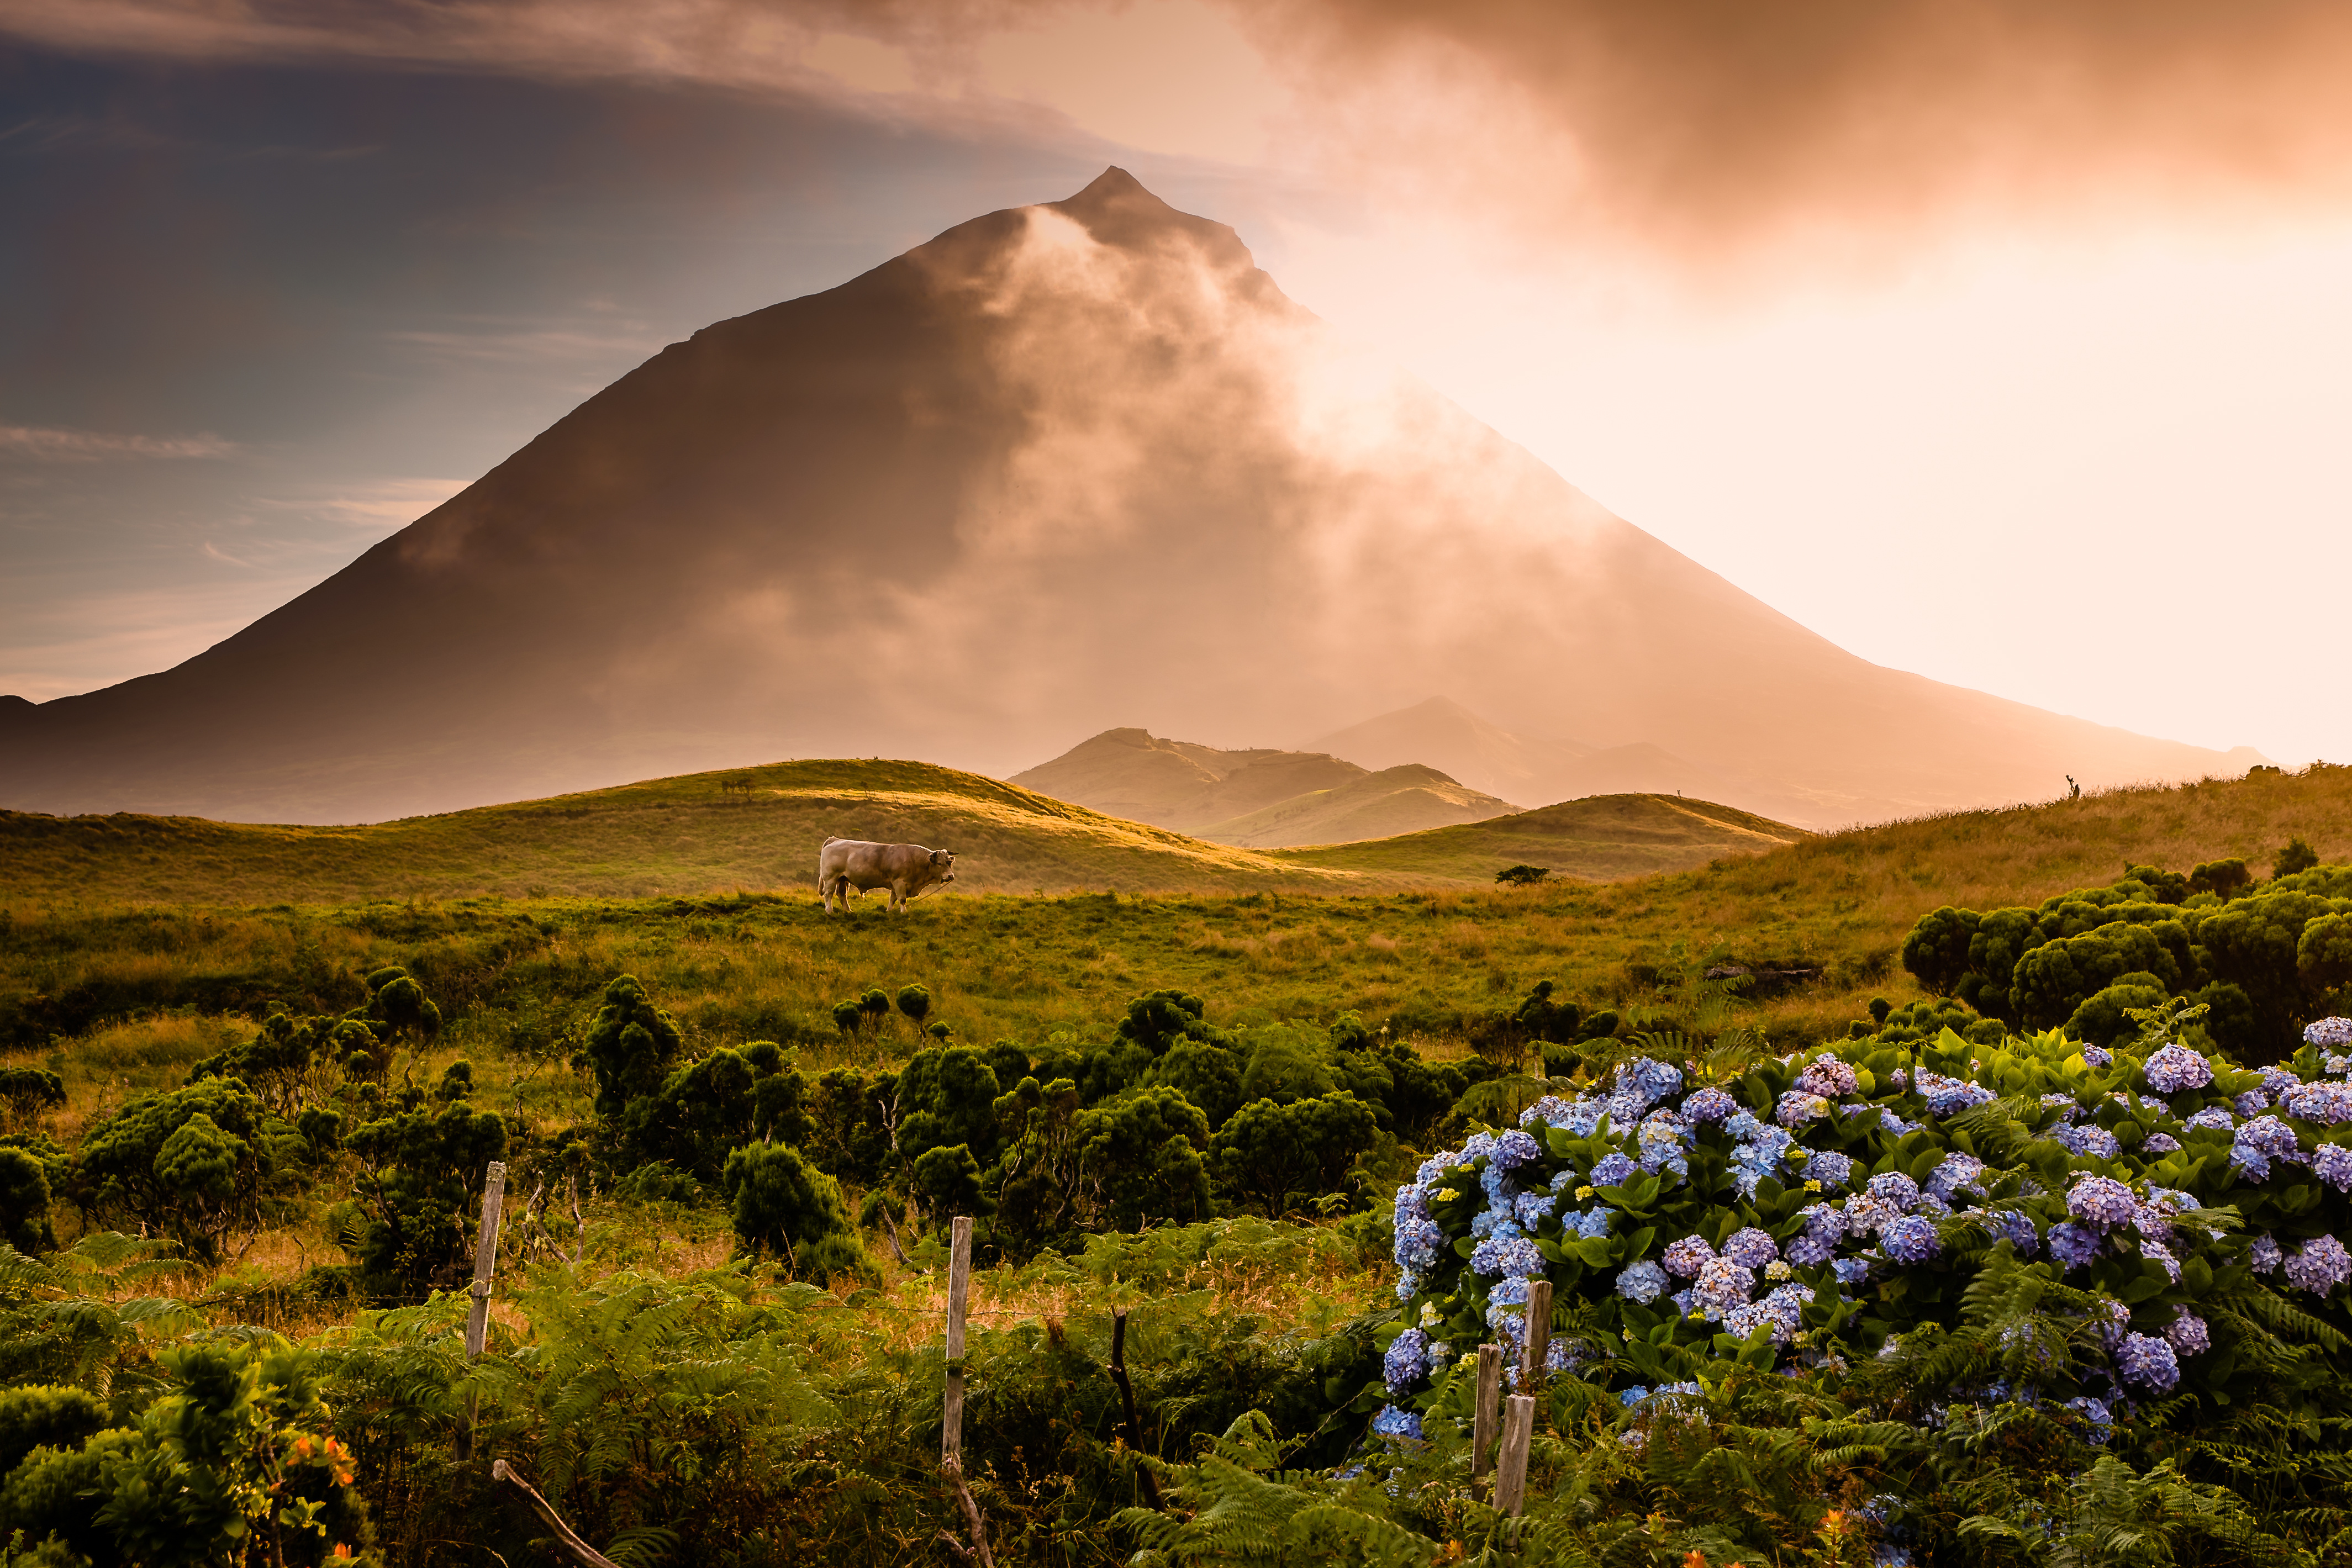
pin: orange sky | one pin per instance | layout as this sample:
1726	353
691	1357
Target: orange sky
1998	341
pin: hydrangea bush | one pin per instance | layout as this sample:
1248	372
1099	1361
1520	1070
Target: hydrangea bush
1821	1206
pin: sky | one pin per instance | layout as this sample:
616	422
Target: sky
2007	343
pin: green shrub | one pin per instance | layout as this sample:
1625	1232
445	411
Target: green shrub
421	1194
630	1047
783	1205
1274	1156
25	1204
40	1415
198	1163
26	1091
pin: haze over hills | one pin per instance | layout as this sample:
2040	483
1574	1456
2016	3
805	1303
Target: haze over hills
1260	798
1061	467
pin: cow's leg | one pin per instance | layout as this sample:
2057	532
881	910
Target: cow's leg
898	898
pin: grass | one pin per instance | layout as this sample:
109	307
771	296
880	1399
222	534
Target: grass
114	997
1603	838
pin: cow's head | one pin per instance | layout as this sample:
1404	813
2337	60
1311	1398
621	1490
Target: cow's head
943	865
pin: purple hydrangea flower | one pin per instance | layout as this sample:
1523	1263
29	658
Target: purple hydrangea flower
2333	1164
1530	1210
1515	1148
2160	1144
1548	1110
2148	1360
2097	1056
2265	1255
2328	1032
1648	1078
2325	1102
1642	1281
2188	1333
1406	1361
2252	1102
1830	1168
2218	1117
1894	1188
2319	1265
1851	1270
1476	1147
2018	1226
1910	1239
1512	1257
2261	1141
2174	1068
1685	1256
1611	1169
1829	1078
1751	1248
1708	1106
1796	1108
2277	1080
2067	1107
1890	1123
1722	1285
2157	1252
2071	1245
2096	1142
1782	1310
1392	1422
2102	1201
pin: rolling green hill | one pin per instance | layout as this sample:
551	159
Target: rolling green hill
1600	838
759	827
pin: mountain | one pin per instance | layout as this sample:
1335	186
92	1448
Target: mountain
1443	734
1058	468
1260	798
1602	837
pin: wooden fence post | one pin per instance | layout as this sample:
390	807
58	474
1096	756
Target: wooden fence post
1538	1337
1511	1469
951	1405
486	1267
1490	1394
1126	1402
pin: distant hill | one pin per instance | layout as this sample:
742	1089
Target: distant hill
1603	838
1057	466
1259	798
1543	769
753	828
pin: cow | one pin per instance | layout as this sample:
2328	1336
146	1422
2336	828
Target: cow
907	870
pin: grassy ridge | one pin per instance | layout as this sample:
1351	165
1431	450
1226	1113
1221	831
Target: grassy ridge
1603	837
759	828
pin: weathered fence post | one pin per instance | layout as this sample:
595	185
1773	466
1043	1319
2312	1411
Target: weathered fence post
486	1267
1511	1468
951	1405
1126	1402
1490	1395
1538	1334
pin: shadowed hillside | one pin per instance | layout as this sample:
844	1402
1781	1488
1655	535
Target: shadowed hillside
1603	838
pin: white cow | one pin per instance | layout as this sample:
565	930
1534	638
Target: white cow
907	870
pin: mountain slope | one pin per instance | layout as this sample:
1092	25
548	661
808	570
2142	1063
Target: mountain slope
1060	466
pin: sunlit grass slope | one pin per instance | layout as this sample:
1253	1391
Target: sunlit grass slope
759	827
1599	838
754	828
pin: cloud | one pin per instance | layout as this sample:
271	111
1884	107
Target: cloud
1707	128
42	444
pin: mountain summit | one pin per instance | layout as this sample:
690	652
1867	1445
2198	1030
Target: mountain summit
1062	468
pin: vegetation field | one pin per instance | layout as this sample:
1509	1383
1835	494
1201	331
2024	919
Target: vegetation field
256	1101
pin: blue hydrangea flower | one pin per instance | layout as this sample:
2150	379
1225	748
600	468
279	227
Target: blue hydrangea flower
2328	1033
2071	1245
2095	1413
1891	1122
2160	1144
2319	1265
2173	1067
1548	1110
1751	1248
2218	1117
2017	1225
1515	1148
2102	1201
1477	1146
2065	1104
1796	1108
2148	1360
1910	1239
1592	1223
1708	1106
1406	1361
2333	1164
1417	1243
2265	1255
1649	1078
1951	1096
1830	1168
2159	1253
1513	1257
1532	1208
1613	1169
1956	1173
1394	1423
2188	1333
1851	1270
2097	1056
1641	1281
